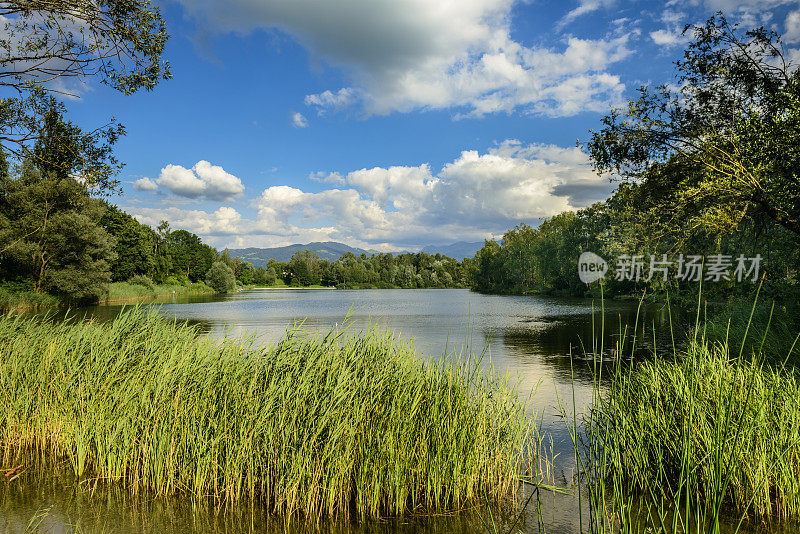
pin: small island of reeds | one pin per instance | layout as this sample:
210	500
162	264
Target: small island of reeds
315	425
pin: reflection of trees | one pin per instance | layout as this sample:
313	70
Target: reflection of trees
553	339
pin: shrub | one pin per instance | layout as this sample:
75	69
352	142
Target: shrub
221	278
142	280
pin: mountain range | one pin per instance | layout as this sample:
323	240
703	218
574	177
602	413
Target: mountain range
331	251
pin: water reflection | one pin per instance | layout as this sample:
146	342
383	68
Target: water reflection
541	342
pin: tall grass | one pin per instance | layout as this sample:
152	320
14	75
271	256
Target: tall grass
26	300
692	442
314	426
122	291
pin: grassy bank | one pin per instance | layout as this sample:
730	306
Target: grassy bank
26	300
130	292
700	439
316	426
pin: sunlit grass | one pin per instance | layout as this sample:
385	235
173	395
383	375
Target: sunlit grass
314	425
693	441
121	291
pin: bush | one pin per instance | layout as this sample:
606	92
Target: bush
142	280
314	425
173	280
221	278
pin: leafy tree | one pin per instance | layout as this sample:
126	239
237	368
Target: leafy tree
118	42
136	246
725	146
304	269
50	230
189	255
221	278
246	273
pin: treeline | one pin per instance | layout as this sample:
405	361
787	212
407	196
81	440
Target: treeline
708	173
386	271
56	239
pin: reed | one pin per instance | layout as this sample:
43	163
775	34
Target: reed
315	425
698	441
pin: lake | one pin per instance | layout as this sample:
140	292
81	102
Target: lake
536	340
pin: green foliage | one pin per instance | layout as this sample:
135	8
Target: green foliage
540	260
264	277
705	431
305	269
734	124
119	43
312	426
408	271
246	275
709	169
189	255
221	278
142	280
50	233
137	247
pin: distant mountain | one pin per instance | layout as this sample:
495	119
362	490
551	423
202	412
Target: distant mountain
329	250
459	251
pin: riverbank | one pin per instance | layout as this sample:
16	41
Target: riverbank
117	293
314	425
125	292
26	300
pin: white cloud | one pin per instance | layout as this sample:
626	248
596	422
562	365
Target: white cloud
326	177
145	184
475	196
791	33
403	55
329	100
584	8
203	180
298	121
669	37
225	221
471	198
219	185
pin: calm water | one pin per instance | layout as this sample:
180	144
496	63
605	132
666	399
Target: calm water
531	338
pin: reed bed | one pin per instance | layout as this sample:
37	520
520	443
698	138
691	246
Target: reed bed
315	425
696	441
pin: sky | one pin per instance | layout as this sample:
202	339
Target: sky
388	124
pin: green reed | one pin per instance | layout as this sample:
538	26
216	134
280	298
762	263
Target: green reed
693	441
315	425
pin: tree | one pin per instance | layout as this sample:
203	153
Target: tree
246	273
727	141
190	257
304	268
221	278
50	234
136	246
119	42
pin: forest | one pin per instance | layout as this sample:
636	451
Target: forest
710	170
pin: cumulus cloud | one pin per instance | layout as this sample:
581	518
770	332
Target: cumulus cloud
225	221
145	184
403	55
204	180
477	195
298	120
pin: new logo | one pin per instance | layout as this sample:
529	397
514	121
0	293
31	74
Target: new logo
591	267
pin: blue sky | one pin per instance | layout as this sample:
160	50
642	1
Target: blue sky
388	124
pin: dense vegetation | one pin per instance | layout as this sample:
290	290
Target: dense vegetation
314	425
407	271
57	239
710	168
